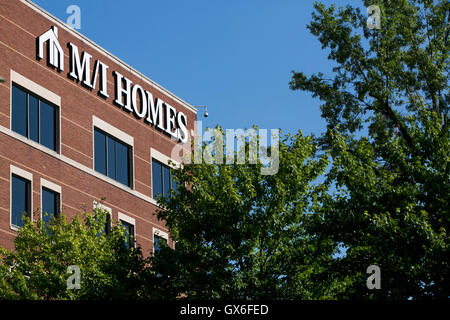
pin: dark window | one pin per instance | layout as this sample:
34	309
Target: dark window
108	224
46	119
34	118
107	219
100	152
111	154
112	157
50	204
157	178
20	199
129	234
19	111
162	179
157	243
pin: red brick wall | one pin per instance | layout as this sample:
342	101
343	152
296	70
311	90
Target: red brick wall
20	25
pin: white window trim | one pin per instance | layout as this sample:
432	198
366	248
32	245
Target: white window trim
159	233
127	219
155	154
25	175
35	88
113	131
130	220
53	187
41	92
102	207
119	135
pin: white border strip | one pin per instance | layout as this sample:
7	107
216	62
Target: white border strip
102	207
155	154
160	233
128	219
50	185
113	131
35	88
53	187
21	173
43	93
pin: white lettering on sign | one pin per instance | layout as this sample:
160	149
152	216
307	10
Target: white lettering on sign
131	97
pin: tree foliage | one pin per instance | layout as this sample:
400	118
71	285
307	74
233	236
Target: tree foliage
376	184
241	235
37	268
386	105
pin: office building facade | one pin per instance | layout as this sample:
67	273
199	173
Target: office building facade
78	125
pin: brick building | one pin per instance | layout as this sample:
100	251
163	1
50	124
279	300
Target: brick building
77	124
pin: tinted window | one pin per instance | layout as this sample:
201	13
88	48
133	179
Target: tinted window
100	152
20	200
157	242
19	111
129	234
166	181
111	162
47	125
50	204
108	224
112	157
162	179
157	178
122	156
34	118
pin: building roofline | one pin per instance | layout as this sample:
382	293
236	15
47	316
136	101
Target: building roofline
108	54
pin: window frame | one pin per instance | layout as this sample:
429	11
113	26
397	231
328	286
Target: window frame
16	171
159	233
129	220
118	136
54	188
42	94
164	160
99	205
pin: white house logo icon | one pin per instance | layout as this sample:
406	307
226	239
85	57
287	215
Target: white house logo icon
55	54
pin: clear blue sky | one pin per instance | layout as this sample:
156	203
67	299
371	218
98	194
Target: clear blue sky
235	56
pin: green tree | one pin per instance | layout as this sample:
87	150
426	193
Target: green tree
37	268
241	235
386	106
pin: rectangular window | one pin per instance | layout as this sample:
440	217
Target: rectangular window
157	242
129	234
160	238
162	179
112	157
20	200
107	229
108	212
34	118
50	204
